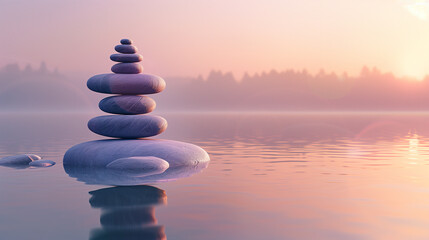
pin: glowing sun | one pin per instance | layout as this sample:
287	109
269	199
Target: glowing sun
418	8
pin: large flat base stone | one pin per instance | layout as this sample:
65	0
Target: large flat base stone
99	153
88	161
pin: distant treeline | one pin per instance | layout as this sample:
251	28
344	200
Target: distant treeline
29	89
288	90
298	90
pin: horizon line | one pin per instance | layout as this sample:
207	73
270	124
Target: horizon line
365	68
231	112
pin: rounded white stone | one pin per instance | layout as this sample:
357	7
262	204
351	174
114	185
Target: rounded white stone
140	166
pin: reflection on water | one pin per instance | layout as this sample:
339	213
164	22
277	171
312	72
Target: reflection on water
105	176
128	213
276	176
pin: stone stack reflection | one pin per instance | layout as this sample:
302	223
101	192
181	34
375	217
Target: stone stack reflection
128	212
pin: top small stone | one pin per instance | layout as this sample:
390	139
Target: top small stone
126	41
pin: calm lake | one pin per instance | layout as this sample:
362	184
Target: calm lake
271	176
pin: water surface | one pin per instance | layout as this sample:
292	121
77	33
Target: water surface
271	176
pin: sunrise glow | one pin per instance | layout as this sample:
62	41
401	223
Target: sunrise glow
332	35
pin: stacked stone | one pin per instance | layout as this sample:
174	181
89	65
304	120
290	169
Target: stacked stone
127	81
129	161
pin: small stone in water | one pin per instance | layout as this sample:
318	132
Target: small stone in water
23	159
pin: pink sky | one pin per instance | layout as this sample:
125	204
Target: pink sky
187	38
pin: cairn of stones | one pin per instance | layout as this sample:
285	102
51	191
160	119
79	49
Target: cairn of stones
139	161
130	106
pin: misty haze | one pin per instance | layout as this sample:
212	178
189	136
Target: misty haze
36	89
214	120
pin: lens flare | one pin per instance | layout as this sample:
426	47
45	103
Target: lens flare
418	8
